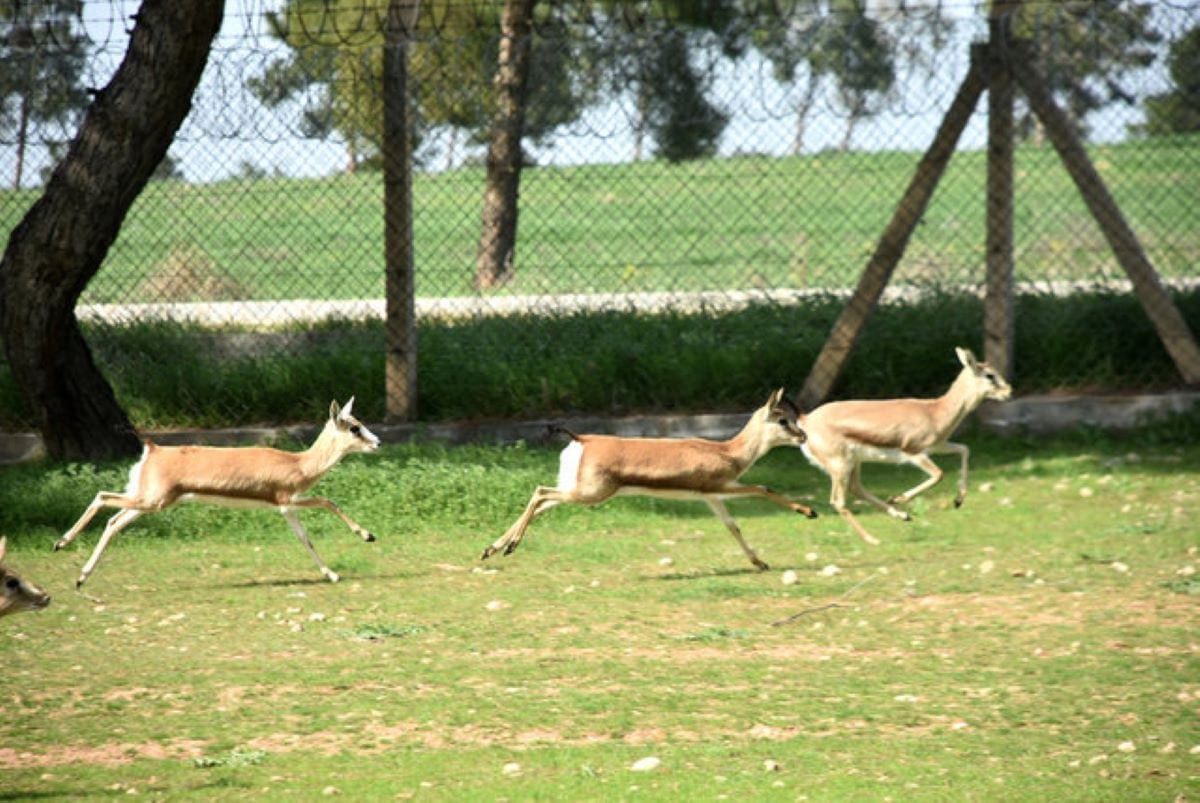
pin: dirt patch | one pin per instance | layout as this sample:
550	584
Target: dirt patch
108	755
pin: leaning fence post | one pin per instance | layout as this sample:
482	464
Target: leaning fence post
400	361
853	318
998	303
1171	326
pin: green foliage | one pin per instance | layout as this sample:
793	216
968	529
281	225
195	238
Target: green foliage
1177	111
377	631
235	758
1084	48
612	363
680	118
42	50
716	634
335	64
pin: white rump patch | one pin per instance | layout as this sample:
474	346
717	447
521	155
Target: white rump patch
135	473
568	466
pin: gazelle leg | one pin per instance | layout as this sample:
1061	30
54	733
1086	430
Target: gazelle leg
718	507
922	462
862	493
329	505
294	522
103	499
837	498
766	493
542	500
117	523
964	453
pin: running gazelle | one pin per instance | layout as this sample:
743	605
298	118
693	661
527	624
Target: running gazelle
248	476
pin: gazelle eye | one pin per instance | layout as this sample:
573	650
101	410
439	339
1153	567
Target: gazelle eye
12	584
356	430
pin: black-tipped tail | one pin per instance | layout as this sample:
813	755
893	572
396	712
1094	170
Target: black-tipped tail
557	429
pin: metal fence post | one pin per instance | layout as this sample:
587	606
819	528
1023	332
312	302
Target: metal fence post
400	362
998	303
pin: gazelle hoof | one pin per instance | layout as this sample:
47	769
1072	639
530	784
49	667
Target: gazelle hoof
368	537
958	502
59	544
762	567
332	576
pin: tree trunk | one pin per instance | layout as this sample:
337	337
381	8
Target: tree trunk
856	114
400	357
22	135
802	110
59	245
498	239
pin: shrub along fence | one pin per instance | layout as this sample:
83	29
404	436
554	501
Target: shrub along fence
681	244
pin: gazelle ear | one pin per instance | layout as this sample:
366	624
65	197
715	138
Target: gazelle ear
349	406
967	359
775	397
3	546
335	410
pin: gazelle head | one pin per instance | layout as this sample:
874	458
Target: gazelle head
18	595
778	419
351	434
986	381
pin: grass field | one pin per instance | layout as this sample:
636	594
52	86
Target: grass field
1039	643
736	223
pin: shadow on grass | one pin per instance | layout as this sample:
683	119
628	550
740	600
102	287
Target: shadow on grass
702	574
319	581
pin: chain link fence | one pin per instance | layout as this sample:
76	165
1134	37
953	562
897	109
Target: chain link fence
688	165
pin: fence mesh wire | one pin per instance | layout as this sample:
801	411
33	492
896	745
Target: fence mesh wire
265	223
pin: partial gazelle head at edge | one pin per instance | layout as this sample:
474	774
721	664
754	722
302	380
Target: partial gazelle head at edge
17	594
359	438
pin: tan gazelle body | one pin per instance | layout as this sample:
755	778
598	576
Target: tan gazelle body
843	435
594	468
250	476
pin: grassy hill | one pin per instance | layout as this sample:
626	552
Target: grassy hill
747	222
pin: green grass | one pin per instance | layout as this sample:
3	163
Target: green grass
992	652
737	223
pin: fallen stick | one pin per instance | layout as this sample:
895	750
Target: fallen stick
827	605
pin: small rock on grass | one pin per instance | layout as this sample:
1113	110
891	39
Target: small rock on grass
646	764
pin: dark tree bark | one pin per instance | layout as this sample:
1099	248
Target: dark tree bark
59	245
498	239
